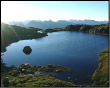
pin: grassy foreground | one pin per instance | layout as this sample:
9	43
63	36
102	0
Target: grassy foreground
101	75
32	76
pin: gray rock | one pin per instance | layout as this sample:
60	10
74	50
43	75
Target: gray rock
31	75
26	64
38	74
69	77
23	70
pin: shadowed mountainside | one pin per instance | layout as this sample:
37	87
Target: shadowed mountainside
10	34
96	29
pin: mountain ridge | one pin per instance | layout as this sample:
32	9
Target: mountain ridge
54	24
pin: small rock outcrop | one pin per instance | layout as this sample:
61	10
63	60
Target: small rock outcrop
27	50
38	74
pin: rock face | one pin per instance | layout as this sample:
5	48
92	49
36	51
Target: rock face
27	50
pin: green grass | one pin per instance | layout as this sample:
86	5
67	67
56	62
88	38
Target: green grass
27	78
101	75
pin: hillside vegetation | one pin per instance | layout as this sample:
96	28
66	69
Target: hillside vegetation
95	29
10	34
101	75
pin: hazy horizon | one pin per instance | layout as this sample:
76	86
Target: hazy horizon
54	10
55	21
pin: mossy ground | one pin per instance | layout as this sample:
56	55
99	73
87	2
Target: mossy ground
23	76
38	81
101	75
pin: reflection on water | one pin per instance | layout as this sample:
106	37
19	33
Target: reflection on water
74	50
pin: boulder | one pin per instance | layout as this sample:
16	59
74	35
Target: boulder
69	77
23	70
59	70
30	75
38	74
26	64
27	50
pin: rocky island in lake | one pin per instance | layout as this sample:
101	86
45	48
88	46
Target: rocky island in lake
27	50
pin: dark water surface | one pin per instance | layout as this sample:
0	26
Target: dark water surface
75	50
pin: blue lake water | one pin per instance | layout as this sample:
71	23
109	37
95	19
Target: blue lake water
75	50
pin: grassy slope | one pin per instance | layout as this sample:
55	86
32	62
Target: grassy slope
101	75
10	34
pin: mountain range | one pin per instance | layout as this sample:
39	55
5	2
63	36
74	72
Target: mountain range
52	24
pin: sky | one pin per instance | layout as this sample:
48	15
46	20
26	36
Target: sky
54	10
